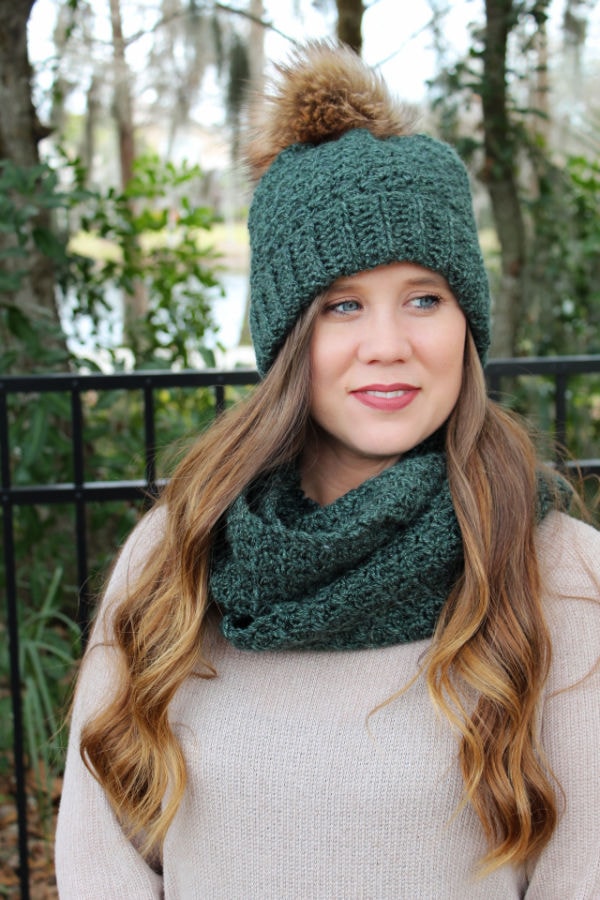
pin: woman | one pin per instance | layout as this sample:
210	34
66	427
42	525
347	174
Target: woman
352	652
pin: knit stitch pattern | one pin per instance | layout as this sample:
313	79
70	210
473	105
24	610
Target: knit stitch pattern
372	569
351	204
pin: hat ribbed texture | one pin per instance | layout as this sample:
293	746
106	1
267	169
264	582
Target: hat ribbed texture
351	204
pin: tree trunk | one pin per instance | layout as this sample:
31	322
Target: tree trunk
20	131
88	142
256	47
349	24
575	28
135	305
123	109
500	175
256	59
540	89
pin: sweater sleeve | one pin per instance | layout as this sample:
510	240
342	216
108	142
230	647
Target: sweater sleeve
569	867
94	859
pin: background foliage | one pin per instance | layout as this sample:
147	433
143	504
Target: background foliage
113	225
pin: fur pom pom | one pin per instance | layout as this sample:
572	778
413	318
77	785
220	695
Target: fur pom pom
324	91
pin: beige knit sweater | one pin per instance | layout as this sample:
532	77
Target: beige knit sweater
292	794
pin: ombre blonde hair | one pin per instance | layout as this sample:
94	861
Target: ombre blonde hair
491	639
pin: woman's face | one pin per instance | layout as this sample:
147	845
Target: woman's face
386	361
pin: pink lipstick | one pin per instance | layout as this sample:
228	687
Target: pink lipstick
386	397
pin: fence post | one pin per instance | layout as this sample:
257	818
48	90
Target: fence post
12	620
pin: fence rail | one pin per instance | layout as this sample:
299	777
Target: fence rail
79	492
561	369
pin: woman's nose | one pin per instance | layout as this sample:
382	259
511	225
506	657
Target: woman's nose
384	340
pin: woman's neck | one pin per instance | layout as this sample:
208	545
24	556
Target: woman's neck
327	472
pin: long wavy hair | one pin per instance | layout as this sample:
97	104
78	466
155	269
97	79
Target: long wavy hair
491	641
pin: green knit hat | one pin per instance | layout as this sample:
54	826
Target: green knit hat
352	198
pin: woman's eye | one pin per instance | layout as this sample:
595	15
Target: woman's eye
427	301
344	306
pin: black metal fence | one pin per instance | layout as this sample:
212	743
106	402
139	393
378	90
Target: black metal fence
561	369
80	492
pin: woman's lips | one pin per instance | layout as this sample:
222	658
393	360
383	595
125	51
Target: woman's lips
387	397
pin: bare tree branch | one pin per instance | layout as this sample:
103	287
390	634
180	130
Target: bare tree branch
224	7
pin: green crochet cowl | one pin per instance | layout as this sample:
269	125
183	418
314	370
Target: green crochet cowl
372	569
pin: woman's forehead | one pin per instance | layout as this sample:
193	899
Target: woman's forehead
413	275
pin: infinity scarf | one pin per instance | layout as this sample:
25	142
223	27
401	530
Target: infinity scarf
371	569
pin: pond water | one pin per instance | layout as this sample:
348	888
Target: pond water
228	313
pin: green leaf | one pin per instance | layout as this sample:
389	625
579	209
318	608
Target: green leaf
36	437
47	242
13	253
10	282
19	325
208	357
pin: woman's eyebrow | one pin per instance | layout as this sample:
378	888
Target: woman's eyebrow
424	280
346	285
